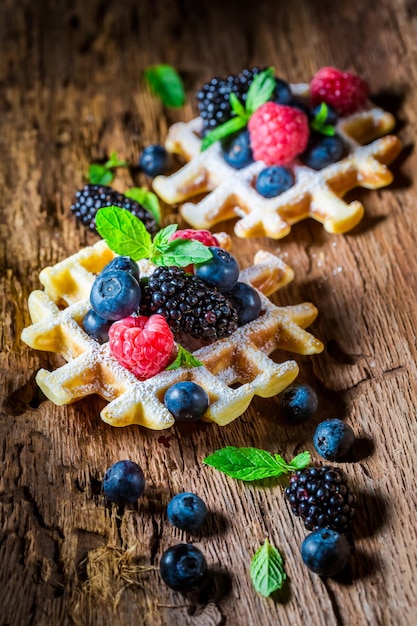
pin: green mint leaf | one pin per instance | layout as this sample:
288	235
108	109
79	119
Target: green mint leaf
162	237
300	461
267	570
183	252
184	359
99	174
237	106
245	463
114	161
226	129
146	198
124	233
319	122
166	83
260	91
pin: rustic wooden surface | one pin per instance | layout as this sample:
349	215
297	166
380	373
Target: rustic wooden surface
71	92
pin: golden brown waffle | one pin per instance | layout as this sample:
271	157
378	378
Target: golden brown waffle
230	193
235	368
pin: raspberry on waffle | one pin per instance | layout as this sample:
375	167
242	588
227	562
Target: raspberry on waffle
231	193
234	368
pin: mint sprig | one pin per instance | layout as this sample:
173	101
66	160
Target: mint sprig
259	92
166	83
126	235
319	122
184	359
267	570
103	174
147	199
250	464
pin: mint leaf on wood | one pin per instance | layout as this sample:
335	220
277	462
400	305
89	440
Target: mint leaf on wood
184	359
267	570
147	199
300	461
124	233
99	174
114	161
166	83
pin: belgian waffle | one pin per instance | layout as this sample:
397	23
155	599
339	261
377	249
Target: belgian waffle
230	193
234	369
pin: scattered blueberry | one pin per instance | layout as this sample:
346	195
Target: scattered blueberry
186	400
124	482
237	151
282	93
326	552
333	439
187	511
246	301
155	160
124	263
331	117
274	180
97	327
115	294
323	151
299	402
183	567
221	271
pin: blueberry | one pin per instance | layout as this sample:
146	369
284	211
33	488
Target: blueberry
326	552
155	160
124	263
246	301
331	117
333	439
282	93
298	403
187	511
237	151
183	567
302	105
124	482
323	151
97	327
221	271
274	180
115	294
186	400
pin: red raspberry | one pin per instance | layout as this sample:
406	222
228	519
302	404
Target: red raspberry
344	91
278	133
203	236
143	345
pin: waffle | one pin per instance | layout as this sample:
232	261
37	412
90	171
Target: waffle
234	369
230	193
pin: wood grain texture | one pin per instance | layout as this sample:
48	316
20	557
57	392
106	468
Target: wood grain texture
71	92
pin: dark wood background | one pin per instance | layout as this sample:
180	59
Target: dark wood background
71	91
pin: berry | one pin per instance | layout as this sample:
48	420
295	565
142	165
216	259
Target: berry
214	97
331	116
220	272
333	439
246	301
143	345
278	133
124	482
345	91
188	304
124	263
237	151
187	511
154	160
322	498
183	567
115	294
187	401
282	93
274	180
91	198
325	552
203	236
298	403
323	151
97	327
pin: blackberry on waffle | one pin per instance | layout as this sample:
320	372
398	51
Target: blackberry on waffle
91	198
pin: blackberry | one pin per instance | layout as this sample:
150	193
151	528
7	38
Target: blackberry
322	498
91	198
214	97
188	304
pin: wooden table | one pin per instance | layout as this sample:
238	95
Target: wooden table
71	92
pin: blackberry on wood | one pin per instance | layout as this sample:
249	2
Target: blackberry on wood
188	304
322	498
91	198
